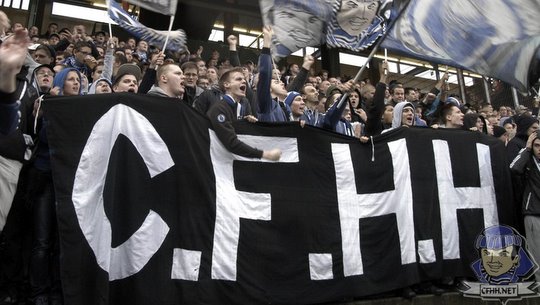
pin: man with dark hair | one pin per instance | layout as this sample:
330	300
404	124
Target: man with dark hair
82	59
228	110
44	55
451	116
398	94
411	95
191	74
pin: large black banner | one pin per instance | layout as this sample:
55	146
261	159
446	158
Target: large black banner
153	209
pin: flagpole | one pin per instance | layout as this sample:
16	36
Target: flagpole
167	38
110	30
110	26
169	33
374	50
385	59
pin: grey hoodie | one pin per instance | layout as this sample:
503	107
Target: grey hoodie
157	91
92	88
398	111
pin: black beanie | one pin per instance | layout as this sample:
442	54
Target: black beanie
498	131
523	123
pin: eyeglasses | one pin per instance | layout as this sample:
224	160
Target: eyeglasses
42	74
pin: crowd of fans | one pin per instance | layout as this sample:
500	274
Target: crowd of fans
72	62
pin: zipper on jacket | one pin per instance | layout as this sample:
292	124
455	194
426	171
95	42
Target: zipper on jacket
528	201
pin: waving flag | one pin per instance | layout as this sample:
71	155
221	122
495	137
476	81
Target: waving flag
356	24
496	38
177	39
296	23
159	6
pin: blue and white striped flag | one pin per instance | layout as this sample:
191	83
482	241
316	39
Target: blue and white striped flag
496	38
177	39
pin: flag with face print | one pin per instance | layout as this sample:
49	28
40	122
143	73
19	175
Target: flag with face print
296	23
357	24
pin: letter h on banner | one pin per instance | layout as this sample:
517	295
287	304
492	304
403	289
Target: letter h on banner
354	206
453	198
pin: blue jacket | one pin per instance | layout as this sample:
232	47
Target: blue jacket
333	120
270	109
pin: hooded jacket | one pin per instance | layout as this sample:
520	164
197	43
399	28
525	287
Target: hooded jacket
469	121
33	79
157	91
42	160
398	113
527	166
60	79
92	88
515	145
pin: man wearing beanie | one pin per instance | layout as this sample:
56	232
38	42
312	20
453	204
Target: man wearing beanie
526	125
295	103
45	55
500	133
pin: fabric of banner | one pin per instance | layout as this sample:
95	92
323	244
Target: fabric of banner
153	209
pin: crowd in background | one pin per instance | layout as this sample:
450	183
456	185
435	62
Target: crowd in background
60	61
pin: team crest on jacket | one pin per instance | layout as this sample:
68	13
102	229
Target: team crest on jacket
221	118
503	266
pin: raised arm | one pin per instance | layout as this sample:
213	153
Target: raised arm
264	97
108	62
12	54
519	163
336	110
375	110
299	81
234	59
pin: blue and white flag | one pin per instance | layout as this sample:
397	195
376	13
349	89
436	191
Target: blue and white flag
177	39
357	24
496	38
296	23
166	7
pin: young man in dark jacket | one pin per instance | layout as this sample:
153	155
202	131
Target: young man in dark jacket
527	165
228	110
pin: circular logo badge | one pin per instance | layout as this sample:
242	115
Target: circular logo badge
221	118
